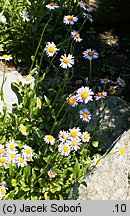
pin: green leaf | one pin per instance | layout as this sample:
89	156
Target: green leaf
76	171
95	143
47	102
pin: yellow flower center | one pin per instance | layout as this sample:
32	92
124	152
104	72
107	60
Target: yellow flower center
12	147
52	173
3	190
21	160
66	60
86	136
28	78
51	49
99	94
85	115
23	129
12	155
1	151
84	95
74	134
66	148
39	102
52	4
71	101
75	143
28	151
5	56
50	137
122	151
64	136
2	160
105	80
91	53
86	5
76	36
70	18
122	81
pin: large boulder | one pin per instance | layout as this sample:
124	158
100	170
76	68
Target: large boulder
110	181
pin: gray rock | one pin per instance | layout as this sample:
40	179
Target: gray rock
9	95
110	180
112	118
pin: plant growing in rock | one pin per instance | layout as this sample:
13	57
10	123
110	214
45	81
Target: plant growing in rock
46	145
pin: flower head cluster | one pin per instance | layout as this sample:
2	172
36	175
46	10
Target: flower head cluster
100	95
2	18
50	49
23	129
49	139
121	82
85	6
27	80
52	6
70	20
105	80
11	154
25	16
72	140
6	57
90	54
88	16
51	173
66	61
3	189
76	36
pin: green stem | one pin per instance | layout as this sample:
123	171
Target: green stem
90	74
40	41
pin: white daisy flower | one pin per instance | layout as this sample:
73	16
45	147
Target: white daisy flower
27	151
52	173
11	145
49	139
100	95
3	161
85	136
70	19
21	160
90	54
75	143
12	156
85	114
88	16
2	191
25	16
64	149
63	135
71	100
23	129
39	103
84	94
50	49
96	160
105	81
2	18
85	6
76	36
52	6
121	82
27	80
6	57
67	61
2	150
75	132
